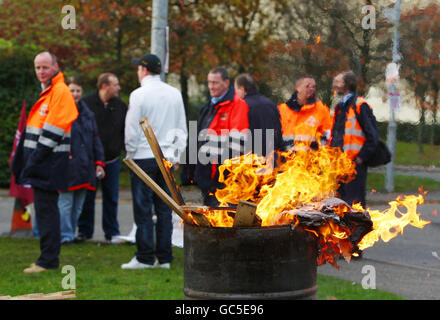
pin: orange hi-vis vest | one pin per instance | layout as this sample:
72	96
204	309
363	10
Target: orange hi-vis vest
310	124
354	137
45	146
54	112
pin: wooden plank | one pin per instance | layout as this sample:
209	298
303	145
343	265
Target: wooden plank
158	155
245	215
200	208
194	208
158	190
41	296
201	219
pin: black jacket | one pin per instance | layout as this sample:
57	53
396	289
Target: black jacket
366	120
111	123
263	114
86	151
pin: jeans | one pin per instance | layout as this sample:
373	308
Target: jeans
110	194
35	227
48	219
70	205
151	240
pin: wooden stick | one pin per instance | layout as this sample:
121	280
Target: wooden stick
41	296
166	172
245	215
158	190
200	208
158	155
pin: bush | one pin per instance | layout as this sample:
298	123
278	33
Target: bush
408	132
17	83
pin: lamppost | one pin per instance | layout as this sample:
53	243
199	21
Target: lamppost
393	97
159	23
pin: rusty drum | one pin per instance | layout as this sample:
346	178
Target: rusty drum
249	263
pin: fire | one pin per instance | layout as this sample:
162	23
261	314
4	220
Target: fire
167	164
295	188
387	225
299	177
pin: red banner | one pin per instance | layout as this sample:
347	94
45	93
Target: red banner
24	193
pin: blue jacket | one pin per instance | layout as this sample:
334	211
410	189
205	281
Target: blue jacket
86	151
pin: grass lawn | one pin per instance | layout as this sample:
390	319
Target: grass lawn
408	154
99	276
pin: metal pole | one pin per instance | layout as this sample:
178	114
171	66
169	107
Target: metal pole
392	126
158	31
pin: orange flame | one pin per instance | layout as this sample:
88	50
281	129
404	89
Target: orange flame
387	225
167	164
300	177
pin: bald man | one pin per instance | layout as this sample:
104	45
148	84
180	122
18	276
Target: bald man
41	158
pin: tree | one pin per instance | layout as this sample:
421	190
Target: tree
115	32
421	60
324	38
190	53
34	27
235	34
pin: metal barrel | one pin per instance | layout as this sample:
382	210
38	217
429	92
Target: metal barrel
249	263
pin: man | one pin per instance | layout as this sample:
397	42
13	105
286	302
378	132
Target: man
110	112
305	120
355	132
42	155
264	118
163	105
222	132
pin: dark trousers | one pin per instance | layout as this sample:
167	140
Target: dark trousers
151	240
48	220
356	190
110	194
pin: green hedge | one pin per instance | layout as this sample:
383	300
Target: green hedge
17	83
408	132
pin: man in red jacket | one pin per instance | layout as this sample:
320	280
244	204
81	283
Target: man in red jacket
223	130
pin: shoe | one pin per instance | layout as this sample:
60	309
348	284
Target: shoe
162	265
34	269
116	240
81	238
135	264
165	265
68	243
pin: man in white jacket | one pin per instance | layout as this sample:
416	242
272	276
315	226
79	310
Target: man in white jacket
163	105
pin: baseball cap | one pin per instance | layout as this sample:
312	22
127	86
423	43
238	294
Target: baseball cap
150	61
